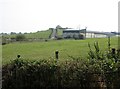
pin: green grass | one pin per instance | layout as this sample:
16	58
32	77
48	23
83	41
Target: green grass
40	34
46	50
60	32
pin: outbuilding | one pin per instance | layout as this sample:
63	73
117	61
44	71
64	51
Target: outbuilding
74	33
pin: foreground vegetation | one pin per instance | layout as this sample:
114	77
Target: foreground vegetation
82	64
102	72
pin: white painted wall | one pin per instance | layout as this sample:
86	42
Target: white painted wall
92	35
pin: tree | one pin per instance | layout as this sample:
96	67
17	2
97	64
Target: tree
12	33
4	41
20	37
58	27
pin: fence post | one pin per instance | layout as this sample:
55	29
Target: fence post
109	43
114	54
18	56
56	54
118	53
113	51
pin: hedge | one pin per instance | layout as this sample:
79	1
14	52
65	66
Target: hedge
47	74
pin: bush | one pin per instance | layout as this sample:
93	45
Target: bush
20	37
62	74
100	71
4	40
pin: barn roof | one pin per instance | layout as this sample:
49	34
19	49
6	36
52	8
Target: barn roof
74	30
88	31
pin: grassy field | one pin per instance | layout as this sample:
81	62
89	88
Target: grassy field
46	50
40	34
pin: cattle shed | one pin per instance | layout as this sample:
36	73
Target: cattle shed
83	33
74	33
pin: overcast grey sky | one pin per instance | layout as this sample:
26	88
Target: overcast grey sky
36	15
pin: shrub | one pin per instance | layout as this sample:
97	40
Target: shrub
44	74
95	54
4	40
20	37
62	74
100	71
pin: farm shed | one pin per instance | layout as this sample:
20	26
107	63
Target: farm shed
96	34
74	33
83	33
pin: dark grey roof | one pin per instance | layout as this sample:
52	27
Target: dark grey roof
88	31
74	30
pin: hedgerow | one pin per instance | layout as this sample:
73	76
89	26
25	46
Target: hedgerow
99	71
47	74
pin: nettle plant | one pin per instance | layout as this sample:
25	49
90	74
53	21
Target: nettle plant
96	53
107	63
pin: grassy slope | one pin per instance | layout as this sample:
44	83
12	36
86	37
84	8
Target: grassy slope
40	34
45	50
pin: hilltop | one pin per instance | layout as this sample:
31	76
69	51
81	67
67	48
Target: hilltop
39	34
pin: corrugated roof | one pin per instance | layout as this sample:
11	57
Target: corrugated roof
72	29
89	31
